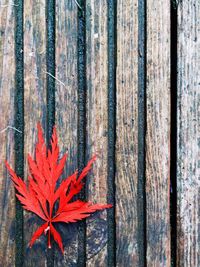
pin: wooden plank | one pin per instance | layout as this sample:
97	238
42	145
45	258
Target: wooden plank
97	128
188	134
158	133
7	86
66	111
34	110
127	134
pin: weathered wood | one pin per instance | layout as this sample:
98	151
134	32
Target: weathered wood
66	111
7	87
126	134
188	135
130	23
97	120
34	111
158	134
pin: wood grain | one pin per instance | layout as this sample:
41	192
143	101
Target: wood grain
34	111
97	120
188	127
157	127
126	134
66	111
158	134
7	90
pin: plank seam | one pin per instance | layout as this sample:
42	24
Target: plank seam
81	127
19	124
112	63
141	198
173	134
50	66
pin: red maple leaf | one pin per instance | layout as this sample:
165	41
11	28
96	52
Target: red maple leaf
42	192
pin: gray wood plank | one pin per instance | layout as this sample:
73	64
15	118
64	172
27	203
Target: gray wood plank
127	134
34	112
188	147
66	112
7	87
158	134
97	127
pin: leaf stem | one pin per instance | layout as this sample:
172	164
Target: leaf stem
49	236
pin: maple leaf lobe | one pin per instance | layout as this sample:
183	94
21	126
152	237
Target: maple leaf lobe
45	197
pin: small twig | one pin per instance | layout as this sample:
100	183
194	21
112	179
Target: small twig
8	5
54	77
10	127
78	4
41	51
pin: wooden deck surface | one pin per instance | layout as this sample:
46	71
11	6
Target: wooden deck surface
120	79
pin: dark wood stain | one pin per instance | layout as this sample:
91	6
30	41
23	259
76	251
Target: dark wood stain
19	124
81	127
173	137
50	87
142	125
111	168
